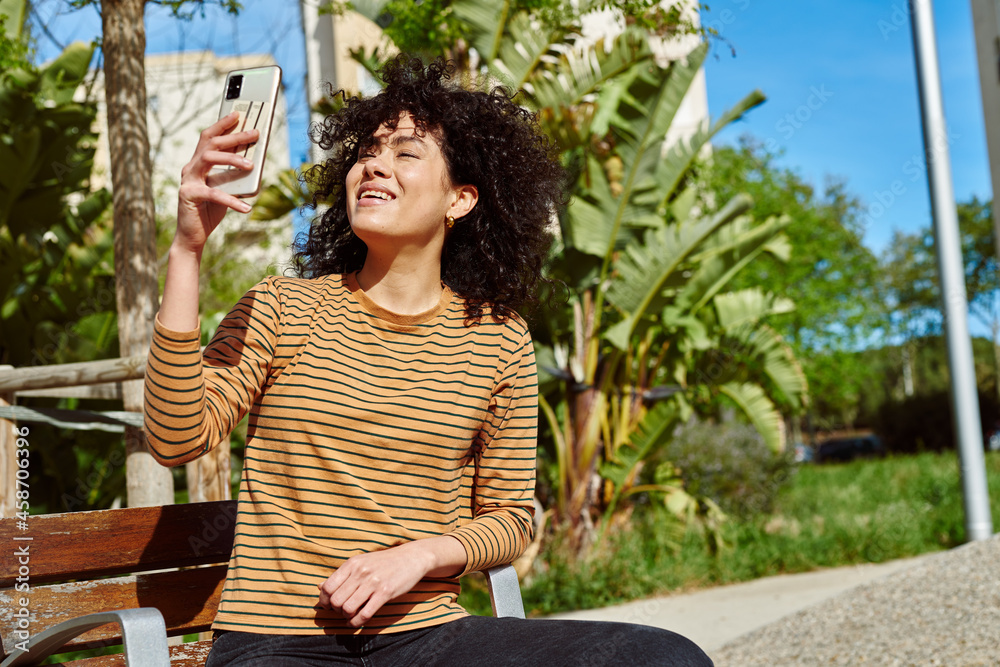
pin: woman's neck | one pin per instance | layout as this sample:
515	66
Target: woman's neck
408	290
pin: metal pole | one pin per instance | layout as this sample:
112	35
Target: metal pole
964	397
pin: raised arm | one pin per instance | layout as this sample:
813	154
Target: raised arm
200	209
179	425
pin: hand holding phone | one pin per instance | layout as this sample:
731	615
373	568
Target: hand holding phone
252	94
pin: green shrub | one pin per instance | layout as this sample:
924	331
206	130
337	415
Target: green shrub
729	464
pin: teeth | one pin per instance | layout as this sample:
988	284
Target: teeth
377	193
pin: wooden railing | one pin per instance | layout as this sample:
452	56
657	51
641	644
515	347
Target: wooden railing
94	380
88	379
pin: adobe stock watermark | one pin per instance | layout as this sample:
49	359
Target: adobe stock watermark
795	120
717	25
22	546
914	169
721	363
899	18
221	525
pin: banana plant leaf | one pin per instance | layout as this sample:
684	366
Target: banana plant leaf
759	409
643	269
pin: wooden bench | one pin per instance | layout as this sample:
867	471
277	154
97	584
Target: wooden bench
121	567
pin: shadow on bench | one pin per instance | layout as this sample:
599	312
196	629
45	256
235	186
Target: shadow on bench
110	578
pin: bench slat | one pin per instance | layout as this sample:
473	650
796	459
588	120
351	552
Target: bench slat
83	545
192	654
188	600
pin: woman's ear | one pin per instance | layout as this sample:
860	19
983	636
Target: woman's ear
466	197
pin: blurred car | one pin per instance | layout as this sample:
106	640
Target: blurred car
848	449
803	453
993	441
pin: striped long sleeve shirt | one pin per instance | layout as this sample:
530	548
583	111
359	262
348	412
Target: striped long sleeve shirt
367	429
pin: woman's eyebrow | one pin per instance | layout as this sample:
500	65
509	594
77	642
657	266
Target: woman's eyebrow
395	142
400	139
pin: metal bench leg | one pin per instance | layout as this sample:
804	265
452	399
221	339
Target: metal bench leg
144	638
505	591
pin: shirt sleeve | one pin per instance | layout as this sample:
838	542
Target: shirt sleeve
193	401
505	467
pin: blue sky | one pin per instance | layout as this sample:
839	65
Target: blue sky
839	76
852	61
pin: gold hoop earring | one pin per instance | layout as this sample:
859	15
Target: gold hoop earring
450	222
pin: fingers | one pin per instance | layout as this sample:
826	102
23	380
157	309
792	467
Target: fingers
217	146
207	195
216	157
221	132
215	150
201	206
358	617
232	141
222	127
355	593
219	151
330	587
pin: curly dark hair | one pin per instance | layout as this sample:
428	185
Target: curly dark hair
493	257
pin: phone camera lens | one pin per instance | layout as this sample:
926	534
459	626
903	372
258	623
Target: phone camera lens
234	87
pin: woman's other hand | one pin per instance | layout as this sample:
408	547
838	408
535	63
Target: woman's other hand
365	582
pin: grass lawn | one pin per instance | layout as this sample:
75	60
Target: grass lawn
825	516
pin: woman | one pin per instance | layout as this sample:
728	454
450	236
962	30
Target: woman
391	390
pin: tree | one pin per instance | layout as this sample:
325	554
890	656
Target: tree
831	277
136	289
910	266
982	271
447	28
648	275
910	285
124	48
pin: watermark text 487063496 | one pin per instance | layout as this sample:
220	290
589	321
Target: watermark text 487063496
22	545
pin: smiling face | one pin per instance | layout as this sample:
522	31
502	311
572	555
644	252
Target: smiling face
399	192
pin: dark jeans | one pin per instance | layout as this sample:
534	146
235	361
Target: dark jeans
473	641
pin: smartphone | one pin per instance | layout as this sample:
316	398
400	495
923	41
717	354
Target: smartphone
253	93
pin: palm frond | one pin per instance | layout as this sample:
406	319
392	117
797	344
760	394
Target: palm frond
521	53
759	409
644	268
681	155
486	20
776	358
655	428
281	198
576	74
647	110
748	306
725	255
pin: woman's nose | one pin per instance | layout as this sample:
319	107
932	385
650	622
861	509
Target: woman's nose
376	165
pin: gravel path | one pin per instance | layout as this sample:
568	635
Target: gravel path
944	610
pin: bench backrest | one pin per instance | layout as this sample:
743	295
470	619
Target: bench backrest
85	562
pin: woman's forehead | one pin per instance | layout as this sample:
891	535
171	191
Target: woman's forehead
404	126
